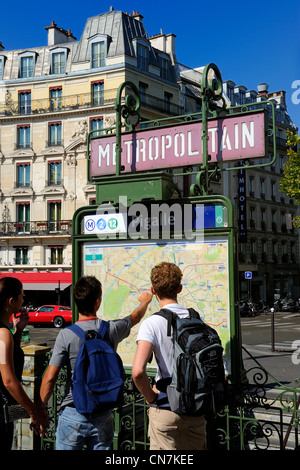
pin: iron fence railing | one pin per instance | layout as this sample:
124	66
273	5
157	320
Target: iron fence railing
260	414
85	100
41	227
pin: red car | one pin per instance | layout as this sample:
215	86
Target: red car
58	315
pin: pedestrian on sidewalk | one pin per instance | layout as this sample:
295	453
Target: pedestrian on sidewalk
95	429
12	362
167	430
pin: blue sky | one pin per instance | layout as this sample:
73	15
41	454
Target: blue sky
250	42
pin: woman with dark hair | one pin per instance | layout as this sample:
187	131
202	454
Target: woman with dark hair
12	361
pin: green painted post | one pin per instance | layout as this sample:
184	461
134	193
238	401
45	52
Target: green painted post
129	111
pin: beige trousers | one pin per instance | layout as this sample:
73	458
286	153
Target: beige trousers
169	431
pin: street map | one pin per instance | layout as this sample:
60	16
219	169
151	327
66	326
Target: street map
124	267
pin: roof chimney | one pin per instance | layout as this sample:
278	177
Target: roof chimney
136	15
58	35
1	46
263	88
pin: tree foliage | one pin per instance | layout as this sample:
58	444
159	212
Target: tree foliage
290	182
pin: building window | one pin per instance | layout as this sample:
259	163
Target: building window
167	102
1	67
98	93
164	64
251	186
142	57
56	255
273	192
263	251
54	172
23	217
281	163
262	189
242	97
26	67
143	91
55	133
263	219
22	255
54	215
252	218
25	102
230	93
23	138
95	124
23	175
98	54
58	62
55	98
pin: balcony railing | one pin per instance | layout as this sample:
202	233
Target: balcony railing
63	103
165	106
36	228
85	100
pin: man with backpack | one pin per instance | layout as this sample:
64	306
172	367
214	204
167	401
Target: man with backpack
95	374
186	380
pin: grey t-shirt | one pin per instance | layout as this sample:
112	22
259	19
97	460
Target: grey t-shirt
67	345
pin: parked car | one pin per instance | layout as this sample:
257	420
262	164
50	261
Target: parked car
58	315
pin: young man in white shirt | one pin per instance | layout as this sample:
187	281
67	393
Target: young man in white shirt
167	430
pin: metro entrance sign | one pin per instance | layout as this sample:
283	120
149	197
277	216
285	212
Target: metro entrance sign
231	138
131	163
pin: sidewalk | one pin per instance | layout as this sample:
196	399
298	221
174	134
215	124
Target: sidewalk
279	364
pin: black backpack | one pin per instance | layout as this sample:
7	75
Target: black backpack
198	378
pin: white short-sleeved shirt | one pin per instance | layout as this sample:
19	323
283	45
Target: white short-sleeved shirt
154	330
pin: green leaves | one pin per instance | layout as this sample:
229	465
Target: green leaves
290	182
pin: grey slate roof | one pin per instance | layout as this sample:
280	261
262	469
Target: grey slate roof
119	27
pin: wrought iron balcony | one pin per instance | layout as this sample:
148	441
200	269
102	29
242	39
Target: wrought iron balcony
158	104
63	103
53	227
82	101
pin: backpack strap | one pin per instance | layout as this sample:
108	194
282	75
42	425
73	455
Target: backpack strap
78	331
169	316
193	313
81	333
103	328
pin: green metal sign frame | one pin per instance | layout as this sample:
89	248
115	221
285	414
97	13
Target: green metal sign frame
228	231
213	107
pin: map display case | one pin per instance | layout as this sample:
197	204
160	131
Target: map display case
123	264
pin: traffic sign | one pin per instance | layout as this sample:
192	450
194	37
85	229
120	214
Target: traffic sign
248	274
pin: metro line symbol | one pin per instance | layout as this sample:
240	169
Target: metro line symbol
101	224
90	225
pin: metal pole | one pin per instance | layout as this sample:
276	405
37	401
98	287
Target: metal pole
273	329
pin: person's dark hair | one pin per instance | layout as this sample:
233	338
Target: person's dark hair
86	291
10	287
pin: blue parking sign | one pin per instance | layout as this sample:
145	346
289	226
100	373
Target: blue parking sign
248	274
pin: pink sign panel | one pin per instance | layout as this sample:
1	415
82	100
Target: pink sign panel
231	138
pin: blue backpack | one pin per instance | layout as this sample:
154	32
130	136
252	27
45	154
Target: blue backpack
98	378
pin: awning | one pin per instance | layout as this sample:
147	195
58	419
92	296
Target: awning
42	281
